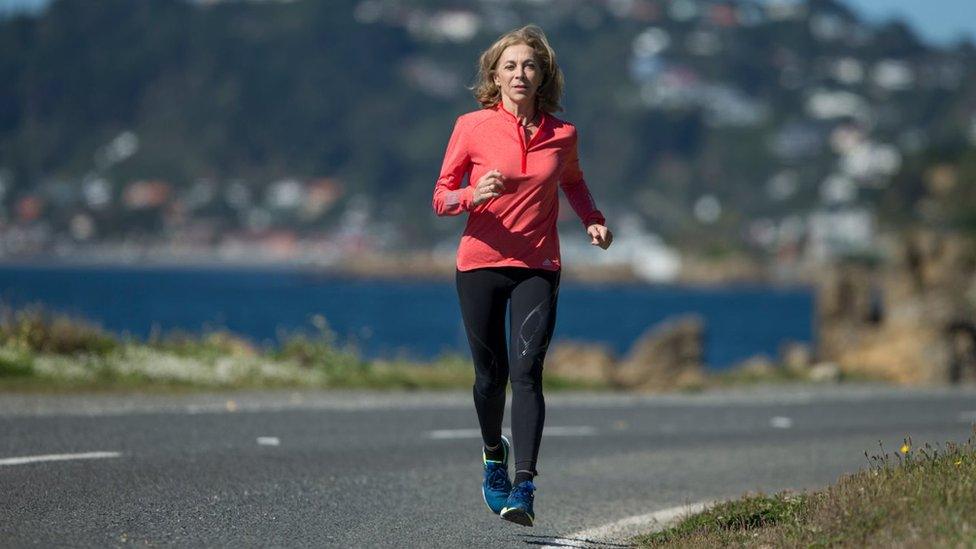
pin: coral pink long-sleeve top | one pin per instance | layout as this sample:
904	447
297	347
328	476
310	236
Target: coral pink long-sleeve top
518	227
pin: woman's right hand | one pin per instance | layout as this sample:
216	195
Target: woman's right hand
489	186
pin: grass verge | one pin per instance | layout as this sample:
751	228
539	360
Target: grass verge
41	351
46	352
923	497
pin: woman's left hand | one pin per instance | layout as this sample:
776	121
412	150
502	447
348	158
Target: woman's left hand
600	235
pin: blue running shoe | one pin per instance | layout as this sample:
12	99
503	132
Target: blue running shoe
518	508
496	485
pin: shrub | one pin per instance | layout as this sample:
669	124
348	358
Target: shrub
36	329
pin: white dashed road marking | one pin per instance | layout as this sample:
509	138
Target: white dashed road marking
557	431
454	433
57	457
781	422
268	441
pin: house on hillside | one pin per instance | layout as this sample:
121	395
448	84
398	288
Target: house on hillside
834	232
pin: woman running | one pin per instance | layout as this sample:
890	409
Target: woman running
516	152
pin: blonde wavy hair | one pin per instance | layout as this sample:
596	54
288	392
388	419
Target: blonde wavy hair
550	89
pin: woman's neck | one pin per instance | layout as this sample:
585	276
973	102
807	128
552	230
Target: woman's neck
524	113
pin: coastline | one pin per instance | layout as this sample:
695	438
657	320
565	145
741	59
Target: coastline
418	267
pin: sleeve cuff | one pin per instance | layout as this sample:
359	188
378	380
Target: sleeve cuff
595	217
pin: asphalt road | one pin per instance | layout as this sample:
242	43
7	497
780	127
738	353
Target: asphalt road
375	470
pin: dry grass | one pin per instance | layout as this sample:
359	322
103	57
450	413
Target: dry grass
913	497
35	329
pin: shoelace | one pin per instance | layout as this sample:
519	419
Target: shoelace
497	478
524	491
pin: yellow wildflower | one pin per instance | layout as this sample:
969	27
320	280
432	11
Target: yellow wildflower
905	448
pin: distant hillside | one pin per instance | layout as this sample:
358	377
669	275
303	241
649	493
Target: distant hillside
700	118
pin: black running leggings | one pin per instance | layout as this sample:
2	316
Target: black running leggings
484	295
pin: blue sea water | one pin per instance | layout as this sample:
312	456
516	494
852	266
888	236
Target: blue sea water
383	318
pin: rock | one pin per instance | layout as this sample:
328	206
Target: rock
904	353
583	362
796	356
666	356
891	321
824	372
758	365
850	293
961	336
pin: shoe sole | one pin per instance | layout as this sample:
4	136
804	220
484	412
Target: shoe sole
508	446
518	516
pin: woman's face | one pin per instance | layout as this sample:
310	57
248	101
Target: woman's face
518	73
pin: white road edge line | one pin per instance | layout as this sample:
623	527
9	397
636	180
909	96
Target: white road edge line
630	526
57	457
557	431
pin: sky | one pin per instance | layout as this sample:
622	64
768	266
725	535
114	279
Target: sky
937	21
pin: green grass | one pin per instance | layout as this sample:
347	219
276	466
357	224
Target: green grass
924	497
50	352
731	378
39	330
53	353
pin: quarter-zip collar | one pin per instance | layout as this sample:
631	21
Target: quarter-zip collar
520	130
